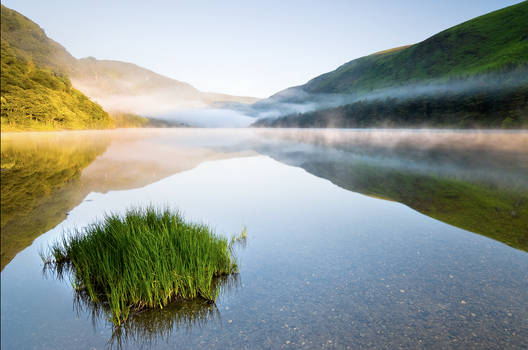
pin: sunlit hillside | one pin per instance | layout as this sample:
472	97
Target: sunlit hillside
36	92
45	88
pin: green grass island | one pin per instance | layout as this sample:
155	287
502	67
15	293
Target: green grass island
143	259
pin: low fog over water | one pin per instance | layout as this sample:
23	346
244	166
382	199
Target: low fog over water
207	117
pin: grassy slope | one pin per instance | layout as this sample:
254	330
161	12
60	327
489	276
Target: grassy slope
31	43
36	93
495	42
472	75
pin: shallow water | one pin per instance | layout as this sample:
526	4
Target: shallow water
324	266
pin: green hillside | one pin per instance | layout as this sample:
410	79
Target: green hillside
472	75
36	93
494	43
31	43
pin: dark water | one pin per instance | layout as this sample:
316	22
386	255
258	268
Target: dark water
328	263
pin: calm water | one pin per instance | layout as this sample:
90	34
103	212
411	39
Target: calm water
336	257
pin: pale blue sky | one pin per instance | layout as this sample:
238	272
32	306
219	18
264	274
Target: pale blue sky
244	47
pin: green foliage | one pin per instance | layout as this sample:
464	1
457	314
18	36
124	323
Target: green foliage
488	55
144	259
128	120
36	93
494	43
30	43
486	109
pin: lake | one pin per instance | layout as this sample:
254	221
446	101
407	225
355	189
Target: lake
375	239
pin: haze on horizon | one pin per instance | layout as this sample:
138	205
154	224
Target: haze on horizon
240	47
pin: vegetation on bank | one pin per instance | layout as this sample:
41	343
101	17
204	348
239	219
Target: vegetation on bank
128	120
32	58
507	108
36	93
144	259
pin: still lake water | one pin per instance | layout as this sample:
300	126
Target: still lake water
336	257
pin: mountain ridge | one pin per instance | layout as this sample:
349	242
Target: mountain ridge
44	87
488	43
127	87
487	54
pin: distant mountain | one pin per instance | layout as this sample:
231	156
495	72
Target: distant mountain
473	74
44	87
36	92
126	87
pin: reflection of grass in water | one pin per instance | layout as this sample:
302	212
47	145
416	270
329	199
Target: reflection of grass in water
147	327
39	183
145	259
498	213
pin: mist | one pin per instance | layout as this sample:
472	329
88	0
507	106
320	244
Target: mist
170	106
298	100
125	95
207	118
496	158
151	95
121	87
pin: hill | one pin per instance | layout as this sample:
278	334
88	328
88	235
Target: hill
44	87
496	42
126	87
464	66
36	92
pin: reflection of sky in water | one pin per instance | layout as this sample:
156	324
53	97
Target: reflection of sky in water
323	268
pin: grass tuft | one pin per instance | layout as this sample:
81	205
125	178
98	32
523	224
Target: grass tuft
143	259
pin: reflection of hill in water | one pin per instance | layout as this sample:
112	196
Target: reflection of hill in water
137	158
45	175
498	213
40	183
475	181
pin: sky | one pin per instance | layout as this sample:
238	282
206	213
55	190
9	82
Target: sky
244	47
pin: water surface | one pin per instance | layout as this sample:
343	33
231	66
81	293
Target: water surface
330	262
